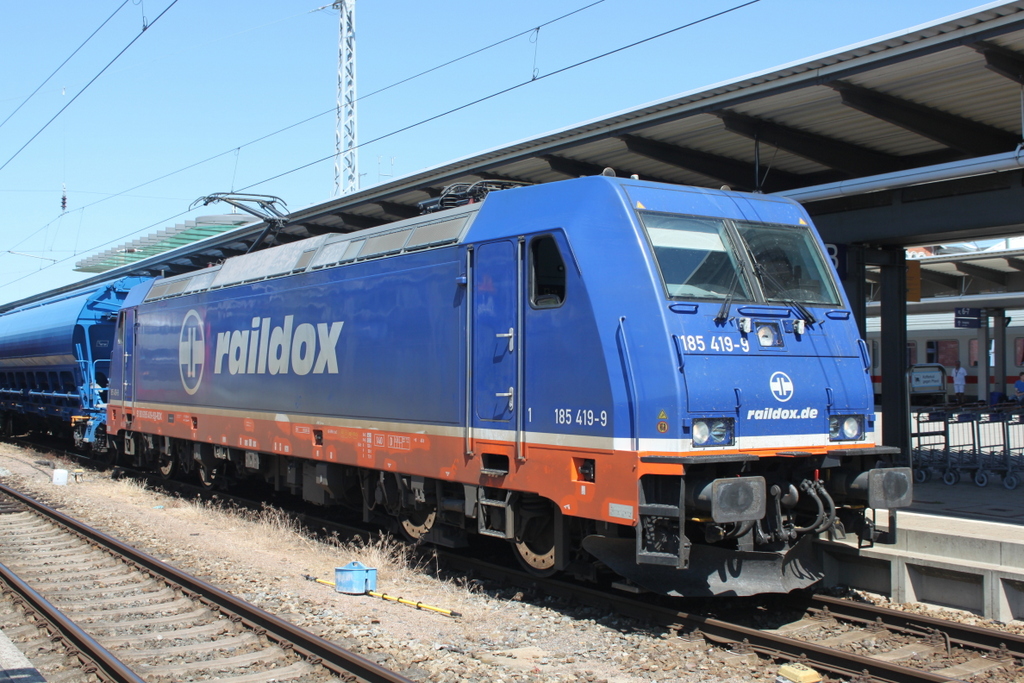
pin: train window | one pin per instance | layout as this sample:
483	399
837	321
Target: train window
388	243
943	351
695	257
157	291
437	233
972	352
789	263
304	259
547	273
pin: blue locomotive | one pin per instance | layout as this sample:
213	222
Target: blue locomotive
608	373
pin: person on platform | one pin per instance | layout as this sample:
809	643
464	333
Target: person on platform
959	382
1018	389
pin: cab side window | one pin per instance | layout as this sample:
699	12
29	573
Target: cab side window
547	273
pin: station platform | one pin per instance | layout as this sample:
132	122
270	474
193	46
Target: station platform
959	546
14	666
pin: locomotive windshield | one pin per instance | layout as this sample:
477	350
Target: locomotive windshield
789	264
698	258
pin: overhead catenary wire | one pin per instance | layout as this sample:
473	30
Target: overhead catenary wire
125	236
235	150
86	87
394	132
507	90
47	79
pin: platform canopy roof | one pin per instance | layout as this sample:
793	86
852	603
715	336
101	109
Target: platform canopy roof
160	242
911	137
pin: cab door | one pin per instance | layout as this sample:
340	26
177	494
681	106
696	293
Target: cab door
496	334
126	332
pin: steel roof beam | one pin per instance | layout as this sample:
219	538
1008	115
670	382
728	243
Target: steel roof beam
571	168
1015	263
736	174
398	211
356	222
942	279
993	276
168	269
970	137
314	230
487	175
1006	63
283	238
842	156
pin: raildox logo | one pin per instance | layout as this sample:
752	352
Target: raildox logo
278	350
191	352
781	386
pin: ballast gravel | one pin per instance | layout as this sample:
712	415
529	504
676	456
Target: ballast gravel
502	635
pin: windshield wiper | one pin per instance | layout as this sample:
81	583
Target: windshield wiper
723	312
779	288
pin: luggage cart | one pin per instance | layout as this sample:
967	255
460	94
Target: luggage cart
929	443
991	441
1014	427
962	454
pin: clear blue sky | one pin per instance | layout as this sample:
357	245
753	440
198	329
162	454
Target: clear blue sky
209	77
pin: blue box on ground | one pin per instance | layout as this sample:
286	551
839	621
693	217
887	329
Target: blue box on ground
355	578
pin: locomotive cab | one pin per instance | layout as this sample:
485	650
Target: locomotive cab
769	444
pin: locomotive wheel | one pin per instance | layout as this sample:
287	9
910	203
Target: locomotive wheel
207	474
167	465
535	546
537	555
415	523
108	458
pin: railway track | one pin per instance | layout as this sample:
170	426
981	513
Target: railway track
847	640
148	618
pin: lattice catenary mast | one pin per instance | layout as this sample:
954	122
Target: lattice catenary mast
346	173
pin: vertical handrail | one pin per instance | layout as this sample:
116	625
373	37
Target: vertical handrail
634	414
520	249
469	352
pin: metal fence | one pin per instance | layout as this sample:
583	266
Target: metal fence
976	443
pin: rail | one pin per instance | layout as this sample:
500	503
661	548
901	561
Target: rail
308	645
109	667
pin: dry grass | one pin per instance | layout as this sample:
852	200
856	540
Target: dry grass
273	531
267	536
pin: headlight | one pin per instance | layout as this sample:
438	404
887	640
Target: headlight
845	427
714	432
701	432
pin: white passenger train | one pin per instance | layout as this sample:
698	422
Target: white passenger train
932	338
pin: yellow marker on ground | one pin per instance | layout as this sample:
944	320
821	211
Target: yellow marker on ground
382	596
